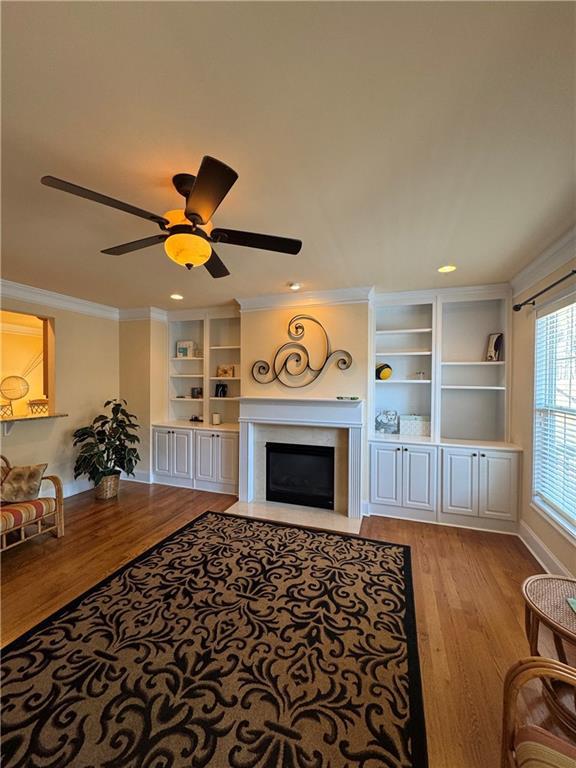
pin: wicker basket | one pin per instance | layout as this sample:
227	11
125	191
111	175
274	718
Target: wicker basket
107	488
39	407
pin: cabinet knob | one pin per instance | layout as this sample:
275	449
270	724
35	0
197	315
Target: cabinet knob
398	449
405	449
483	455
474	455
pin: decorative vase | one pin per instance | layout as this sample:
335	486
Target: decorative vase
107	488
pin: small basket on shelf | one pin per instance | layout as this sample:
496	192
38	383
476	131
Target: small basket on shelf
414	426
38	407
6	410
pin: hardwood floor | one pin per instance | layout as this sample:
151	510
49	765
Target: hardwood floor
40	576
467	591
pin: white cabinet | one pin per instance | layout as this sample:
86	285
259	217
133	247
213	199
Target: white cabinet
419	477
205	456
162	441
172	453
479	483
196	458
216	459
498	485
386	475
460	481
227	471
403	476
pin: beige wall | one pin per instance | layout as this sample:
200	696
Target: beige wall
86	371
523	325
143	378
135	379
264	331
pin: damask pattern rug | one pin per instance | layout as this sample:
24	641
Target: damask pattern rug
233	643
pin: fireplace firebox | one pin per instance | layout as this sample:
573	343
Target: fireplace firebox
300	474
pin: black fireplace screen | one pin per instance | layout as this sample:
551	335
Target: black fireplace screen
300	474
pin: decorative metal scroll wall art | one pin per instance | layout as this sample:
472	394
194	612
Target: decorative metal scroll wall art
291	364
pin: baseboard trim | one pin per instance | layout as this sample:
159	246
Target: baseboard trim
74	487
540	551
140	476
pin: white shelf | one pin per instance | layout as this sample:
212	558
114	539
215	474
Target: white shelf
187	399
474	362
403	330
405	352
224	398
179	359
224	378
227	346
404	381
186	376
474	386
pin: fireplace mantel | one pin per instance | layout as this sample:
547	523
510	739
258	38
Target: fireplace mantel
304	412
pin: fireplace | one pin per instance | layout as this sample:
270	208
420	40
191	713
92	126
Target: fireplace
300	474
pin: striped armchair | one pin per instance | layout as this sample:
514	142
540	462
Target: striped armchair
530	746
21	521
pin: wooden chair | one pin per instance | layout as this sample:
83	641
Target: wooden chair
28	519
530	746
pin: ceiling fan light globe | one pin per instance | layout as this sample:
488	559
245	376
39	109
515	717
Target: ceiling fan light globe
185	249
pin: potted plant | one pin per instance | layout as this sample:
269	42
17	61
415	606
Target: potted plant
107	447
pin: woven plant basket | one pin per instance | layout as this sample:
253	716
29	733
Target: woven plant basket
107	488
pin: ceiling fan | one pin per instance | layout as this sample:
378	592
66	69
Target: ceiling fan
187	233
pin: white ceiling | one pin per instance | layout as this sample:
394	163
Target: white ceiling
390	137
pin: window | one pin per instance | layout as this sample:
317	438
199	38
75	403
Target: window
554	471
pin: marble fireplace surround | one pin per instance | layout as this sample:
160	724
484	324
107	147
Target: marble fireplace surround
303	413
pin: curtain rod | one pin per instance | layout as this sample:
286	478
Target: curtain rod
531	300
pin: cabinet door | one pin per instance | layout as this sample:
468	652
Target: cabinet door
205	456
386	474
227	445
460	481
419	477
182	453
498	484
162	445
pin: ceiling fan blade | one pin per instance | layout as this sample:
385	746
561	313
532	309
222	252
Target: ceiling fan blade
183	183
254	240
213	182
74	189
216	266
135	245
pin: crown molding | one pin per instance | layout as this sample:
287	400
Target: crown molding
21	330
27	293
467	292
143	313
554	257
203	313
361	295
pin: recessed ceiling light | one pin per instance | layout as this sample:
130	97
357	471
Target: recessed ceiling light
176	296
294	286
447	268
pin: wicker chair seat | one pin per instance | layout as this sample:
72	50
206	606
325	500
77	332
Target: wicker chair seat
14	515
537	748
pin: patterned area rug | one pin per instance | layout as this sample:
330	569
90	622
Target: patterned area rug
232	643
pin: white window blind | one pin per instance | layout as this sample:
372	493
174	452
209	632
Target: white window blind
554	472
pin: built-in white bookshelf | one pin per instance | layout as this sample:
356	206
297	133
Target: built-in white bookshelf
214	345
436	345
473	390
403	339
